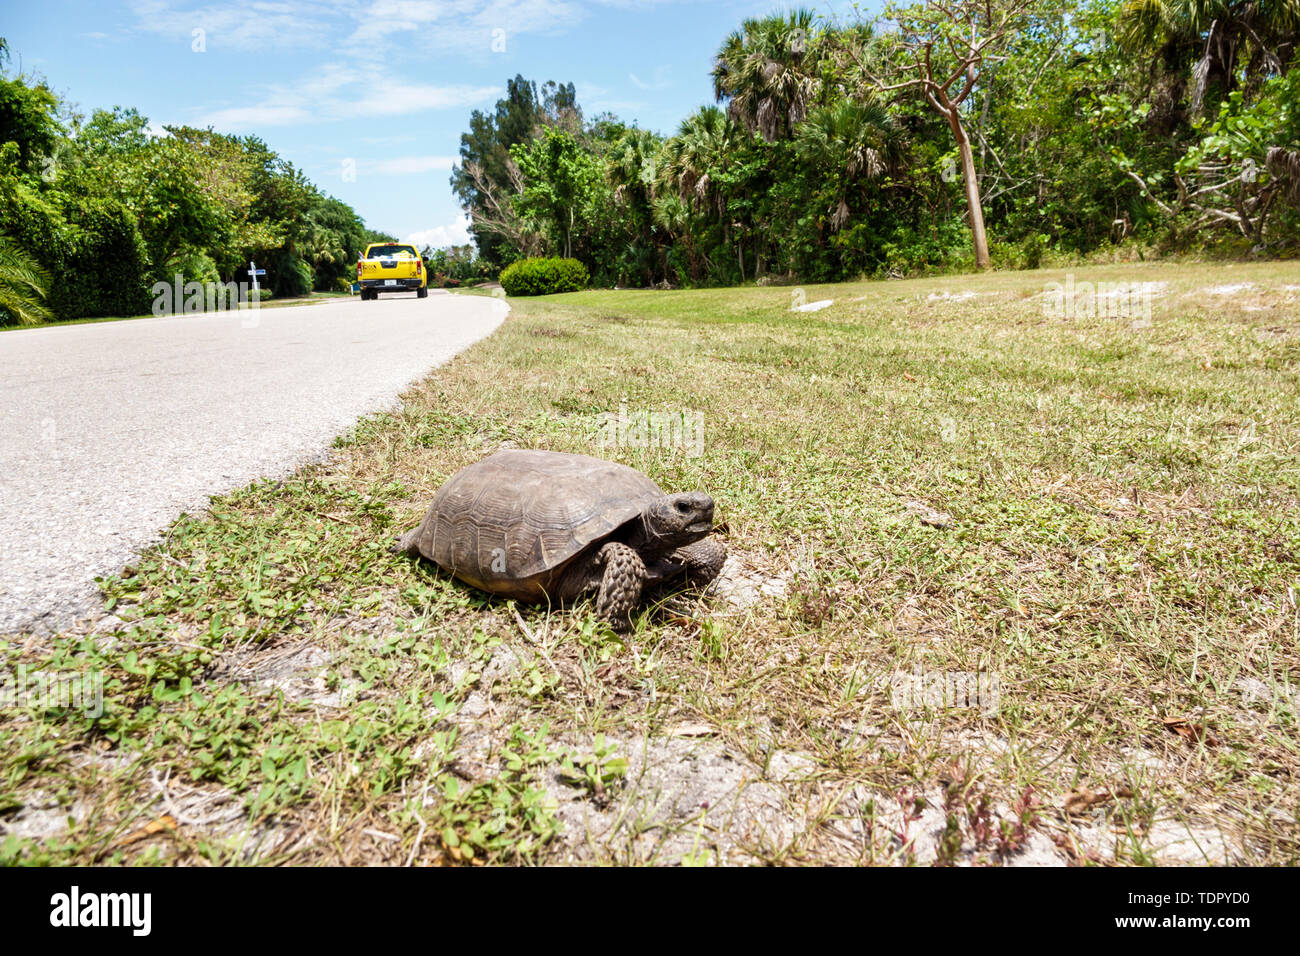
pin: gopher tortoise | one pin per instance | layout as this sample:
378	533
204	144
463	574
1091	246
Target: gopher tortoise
542	526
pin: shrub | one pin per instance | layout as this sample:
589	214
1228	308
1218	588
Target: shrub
91	249
544	276
287	275
37	226
107	267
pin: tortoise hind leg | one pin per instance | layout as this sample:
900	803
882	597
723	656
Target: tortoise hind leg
703	560
623	576
408	544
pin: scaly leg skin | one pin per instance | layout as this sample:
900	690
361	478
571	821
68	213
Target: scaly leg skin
703	560
408	544
620	584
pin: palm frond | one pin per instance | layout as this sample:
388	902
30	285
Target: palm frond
23	284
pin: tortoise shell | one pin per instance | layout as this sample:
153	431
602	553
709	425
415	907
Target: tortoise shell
510	523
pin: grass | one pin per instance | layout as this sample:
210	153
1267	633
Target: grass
1099	513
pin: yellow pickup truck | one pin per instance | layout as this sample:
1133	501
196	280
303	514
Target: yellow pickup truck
390	267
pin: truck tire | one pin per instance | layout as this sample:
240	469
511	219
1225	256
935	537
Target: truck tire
422	294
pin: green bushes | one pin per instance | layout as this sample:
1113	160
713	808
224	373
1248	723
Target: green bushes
35	224
287	274
91	249
544	276
106	270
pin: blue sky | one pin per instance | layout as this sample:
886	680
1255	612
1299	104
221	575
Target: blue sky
369	97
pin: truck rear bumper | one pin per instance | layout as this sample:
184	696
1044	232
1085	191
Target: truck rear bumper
397	285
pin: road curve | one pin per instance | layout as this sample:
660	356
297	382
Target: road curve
111	430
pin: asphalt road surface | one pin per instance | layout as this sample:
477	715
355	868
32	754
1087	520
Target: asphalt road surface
109	431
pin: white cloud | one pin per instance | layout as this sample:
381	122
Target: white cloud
336	92
455	234
243	24
359	29
384	17
596	99
363	39
385	98
254	117
405	165
388	139
469	24
660	81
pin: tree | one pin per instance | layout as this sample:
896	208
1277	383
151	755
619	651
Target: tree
632	167
559	178
695	162
694	157
1220	33
940	49
766	70
27	118
1248	159
332	241
113	134
858	138
166	183
559	106
500	231
486	179
230	171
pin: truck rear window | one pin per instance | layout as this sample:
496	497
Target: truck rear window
390	252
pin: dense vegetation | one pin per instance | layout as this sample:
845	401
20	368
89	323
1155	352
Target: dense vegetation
543	276
841	150
948	134
95	210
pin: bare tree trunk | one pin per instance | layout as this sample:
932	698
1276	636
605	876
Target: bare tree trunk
975	47
973	202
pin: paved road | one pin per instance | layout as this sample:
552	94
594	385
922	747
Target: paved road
110	431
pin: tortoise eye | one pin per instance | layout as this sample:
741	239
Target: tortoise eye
683	507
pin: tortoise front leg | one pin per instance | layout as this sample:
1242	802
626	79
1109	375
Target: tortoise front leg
703	560
621	581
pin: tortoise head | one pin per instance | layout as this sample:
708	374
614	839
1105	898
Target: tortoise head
673	522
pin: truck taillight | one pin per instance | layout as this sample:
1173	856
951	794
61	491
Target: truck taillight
358	269
419	267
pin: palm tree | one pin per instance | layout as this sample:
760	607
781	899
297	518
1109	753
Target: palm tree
1260	35
23	283
767	70
859	138
632	166
672	215
693	159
